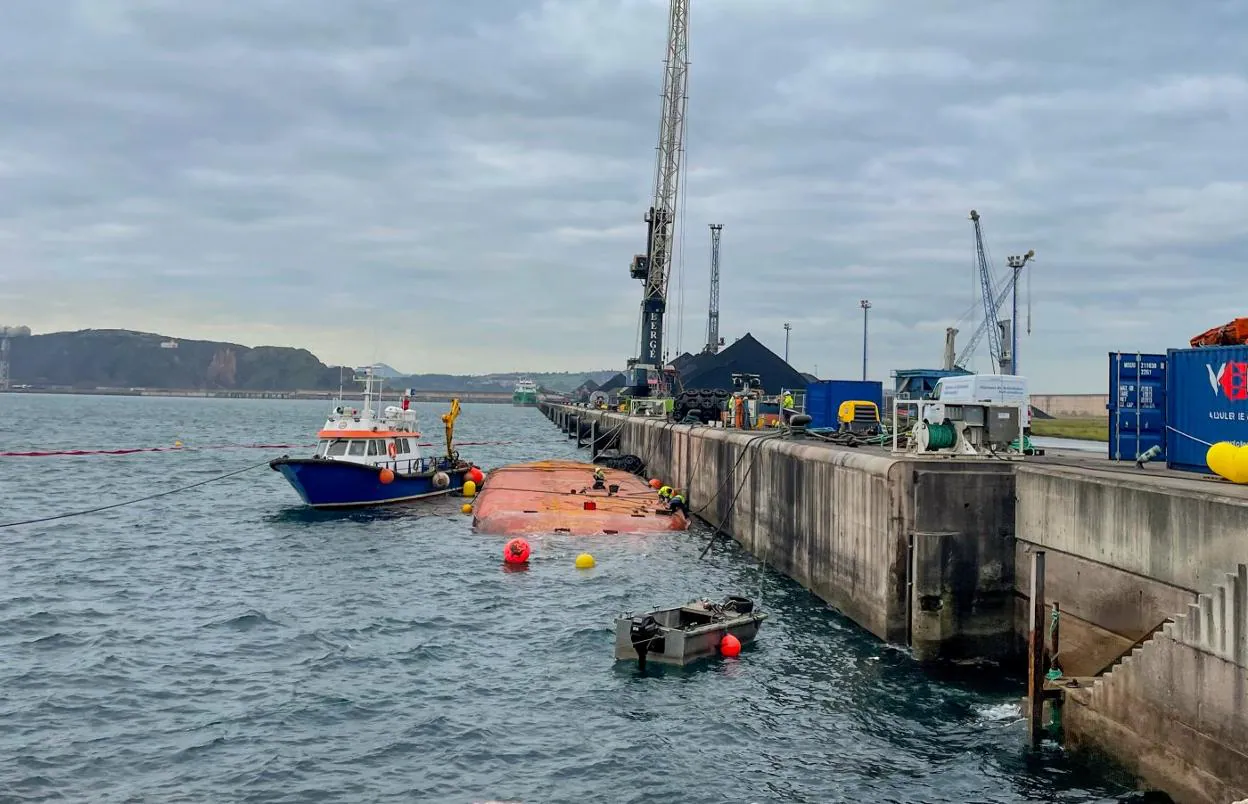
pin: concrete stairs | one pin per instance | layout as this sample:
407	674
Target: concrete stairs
1178	700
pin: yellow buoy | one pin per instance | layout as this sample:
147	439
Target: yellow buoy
467	508
177	443
470	489
584	561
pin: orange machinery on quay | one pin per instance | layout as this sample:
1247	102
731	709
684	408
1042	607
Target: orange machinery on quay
559	497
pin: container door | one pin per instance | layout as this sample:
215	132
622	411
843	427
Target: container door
1137	404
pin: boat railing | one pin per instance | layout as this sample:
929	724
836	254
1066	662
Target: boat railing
409	466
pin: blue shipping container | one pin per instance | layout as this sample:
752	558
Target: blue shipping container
1206	402
1137	404
824	398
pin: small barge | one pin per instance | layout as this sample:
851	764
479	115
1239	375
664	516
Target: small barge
684	634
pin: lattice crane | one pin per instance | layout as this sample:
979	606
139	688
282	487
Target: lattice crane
654	267
1002	355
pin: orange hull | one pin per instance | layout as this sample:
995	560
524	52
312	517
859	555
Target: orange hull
550	497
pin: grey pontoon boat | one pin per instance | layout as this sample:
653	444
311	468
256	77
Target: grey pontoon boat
683	634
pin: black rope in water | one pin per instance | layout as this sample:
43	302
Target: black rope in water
138	500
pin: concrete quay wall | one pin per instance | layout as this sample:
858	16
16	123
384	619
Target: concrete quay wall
918	552
1176	709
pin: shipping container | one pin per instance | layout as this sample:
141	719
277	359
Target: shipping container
824	398
1206	402
1137	404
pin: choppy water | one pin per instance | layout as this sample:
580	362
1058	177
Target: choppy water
227	645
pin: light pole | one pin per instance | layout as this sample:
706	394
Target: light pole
865	305
787	329
1016	262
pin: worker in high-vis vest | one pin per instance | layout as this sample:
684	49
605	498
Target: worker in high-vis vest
665	493
677	503
786	408
600	478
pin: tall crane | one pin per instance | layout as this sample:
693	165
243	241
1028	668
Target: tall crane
712	319
654	267
998	331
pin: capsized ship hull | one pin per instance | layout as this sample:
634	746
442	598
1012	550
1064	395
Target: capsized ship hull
557	497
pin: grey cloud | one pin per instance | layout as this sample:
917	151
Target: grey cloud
468	179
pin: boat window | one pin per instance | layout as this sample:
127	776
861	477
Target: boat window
336	447
322	446
372	447
403	445
357	448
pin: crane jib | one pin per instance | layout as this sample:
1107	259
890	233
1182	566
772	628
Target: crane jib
661	219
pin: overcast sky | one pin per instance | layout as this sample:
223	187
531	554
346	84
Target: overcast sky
459	186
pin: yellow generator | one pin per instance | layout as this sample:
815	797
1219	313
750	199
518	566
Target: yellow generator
858	416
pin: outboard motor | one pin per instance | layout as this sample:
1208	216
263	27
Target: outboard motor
644	632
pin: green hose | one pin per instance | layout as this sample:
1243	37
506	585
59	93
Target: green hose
940	436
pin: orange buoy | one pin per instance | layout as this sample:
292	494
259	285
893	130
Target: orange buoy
476	476
516	552
386	476
730	646
655	483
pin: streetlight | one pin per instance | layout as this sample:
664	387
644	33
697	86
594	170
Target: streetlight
787	329
865	305
1016	263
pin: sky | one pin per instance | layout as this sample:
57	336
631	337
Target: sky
460	186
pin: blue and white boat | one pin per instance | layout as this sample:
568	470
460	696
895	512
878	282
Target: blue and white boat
364	458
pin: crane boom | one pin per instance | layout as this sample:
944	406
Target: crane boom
712	318
988	293
654	266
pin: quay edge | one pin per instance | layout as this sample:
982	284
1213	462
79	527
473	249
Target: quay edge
934	554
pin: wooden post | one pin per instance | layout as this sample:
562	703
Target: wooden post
1035	651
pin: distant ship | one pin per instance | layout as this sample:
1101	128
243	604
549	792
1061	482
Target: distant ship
525	395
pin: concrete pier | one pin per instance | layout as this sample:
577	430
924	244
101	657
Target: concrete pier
934	553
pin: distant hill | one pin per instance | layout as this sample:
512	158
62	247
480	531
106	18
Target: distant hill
117	358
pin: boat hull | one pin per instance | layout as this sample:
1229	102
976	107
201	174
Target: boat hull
681	647
557	497
338	484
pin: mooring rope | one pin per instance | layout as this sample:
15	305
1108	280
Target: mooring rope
137	500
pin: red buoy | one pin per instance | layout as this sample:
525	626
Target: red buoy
730	646
476	475
516	552
386	476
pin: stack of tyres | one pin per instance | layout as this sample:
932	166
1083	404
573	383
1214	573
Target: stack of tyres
703	405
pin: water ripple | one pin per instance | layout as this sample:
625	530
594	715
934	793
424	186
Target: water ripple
229	645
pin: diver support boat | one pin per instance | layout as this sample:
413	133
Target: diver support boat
681	635
365	459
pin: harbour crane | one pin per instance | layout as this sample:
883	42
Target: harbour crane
1002	339
654	267
713	341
